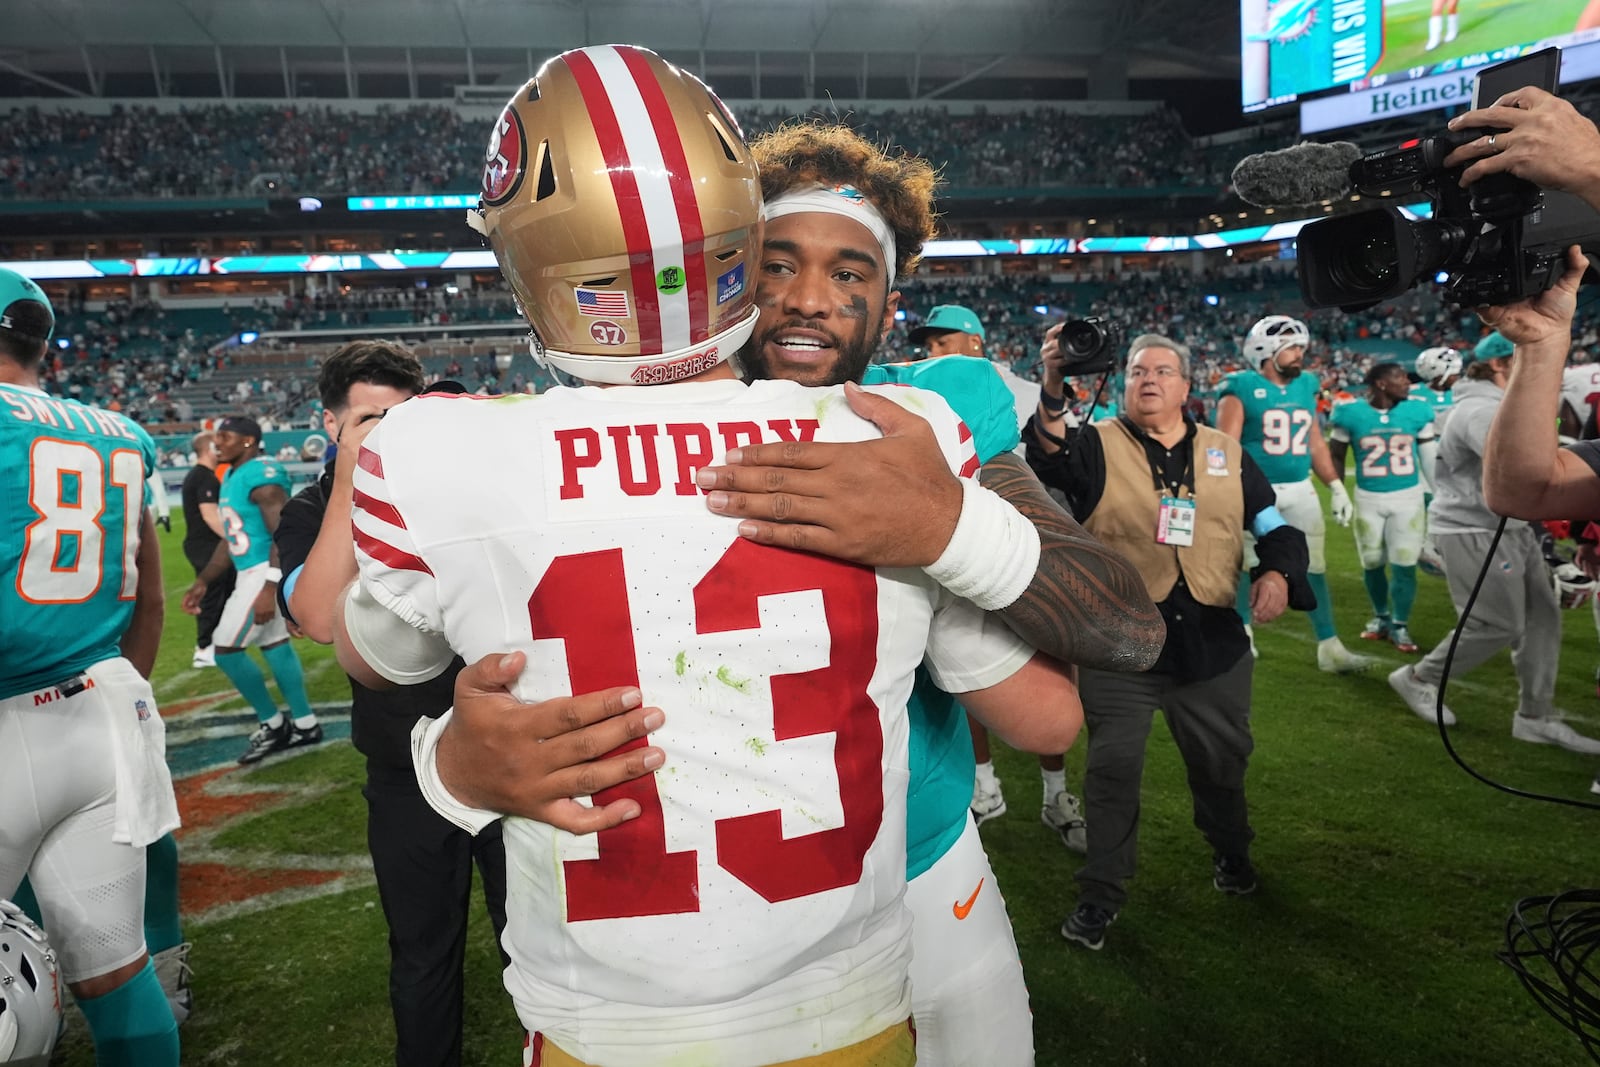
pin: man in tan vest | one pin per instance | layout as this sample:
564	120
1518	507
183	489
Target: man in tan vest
1175	499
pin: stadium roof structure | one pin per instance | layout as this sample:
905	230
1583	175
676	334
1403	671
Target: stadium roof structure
750	49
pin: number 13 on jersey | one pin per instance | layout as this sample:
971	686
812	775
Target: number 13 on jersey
583	600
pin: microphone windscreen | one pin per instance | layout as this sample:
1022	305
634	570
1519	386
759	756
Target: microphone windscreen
1308	173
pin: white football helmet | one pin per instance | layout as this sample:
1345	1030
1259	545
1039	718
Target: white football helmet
1573	588
30	990
1272	335
1437	364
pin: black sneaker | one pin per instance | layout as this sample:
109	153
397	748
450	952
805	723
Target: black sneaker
1233	874
309	736
266	739
1087	926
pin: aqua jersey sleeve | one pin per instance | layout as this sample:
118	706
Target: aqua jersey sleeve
972	387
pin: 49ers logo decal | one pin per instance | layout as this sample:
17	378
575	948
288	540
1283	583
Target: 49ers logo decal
506	158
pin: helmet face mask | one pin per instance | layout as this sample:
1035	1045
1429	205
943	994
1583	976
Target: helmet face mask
625	212
1272	335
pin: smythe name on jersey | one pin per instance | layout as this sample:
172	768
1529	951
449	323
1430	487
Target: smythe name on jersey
589	470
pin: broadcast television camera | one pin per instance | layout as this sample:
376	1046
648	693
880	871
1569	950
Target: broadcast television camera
1501	240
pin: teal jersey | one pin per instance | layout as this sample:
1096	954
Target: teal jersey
1433	398
1277	422
72	478
1385	441
243	525
942	765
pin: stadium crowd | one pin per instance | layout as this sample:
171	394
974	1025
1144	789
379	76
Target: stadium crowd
218	150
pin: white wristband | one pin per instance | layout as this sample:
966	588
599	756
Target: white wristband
1336	490
424	745
993	554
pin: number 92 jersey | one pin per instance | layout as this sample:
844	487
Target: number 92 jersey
1277	422
758	898
1385	441
72	494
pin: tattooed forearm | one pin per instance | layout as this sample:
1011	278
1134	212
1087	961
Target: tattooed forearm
1086	605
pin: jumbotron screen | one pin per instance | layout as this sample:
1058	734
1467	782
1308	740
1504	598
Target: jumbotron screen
1293	47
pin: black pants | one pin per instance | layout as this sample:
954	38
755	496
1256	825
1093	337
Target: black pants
216	597
424	870
1210	722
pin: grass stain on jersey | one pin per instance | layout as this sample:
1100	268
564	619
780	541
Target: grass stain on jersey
756	745
680	663
738	685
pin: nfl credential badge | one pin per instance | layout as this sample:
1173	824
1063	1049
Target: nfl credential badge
1216	463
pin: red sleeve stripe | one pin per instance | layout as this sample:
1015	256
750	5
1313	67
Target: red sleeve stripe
368	461
961	429
381	510
970	467
388	555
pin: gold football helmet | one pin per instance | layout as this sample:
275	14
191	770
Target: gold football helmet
625	211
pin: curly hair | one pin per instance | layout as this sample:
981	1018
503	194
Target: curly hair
900	186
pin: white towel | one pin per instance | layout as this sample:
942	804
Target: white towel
147	808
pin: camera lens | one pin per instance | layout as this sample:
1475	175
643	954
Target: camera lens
1080	339
1370	264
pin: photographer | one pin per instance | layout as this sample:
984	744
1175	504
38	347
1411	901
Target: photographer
1175	499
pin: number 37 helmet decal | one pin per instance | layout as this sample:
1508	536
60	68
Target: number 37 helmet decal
624	210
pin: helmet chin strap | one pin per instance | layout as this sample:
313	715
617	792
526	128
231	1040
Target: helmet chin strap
1279	367
659	369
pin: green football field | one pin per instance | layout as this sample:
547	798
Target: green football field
1485	26
1387	876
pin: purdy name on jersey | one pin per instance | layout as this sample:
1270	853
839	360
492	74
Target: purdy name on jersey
758	896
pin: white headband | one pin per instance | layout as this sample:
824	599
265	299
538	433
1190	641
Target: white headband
843	200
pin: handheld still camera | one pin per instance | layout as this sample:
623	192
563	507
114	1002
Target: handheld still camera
1502	240
1089	346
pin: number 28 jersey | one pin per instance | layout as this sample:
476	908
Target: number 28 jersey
1385	441
754	908
72	491
1277	422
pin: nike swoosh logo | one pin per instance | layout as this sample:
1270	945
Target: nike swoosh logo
963	910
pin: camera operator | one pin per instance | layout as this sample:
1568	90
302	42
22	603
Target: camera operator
1175	499
1526	474
1516	606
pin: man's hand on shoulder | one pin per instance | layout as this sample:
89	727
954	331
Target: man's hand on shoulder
892	502
533	760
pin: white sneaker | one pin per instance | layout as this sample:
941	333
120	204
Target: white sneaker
1553	732
172	970
1334	658
1064	815
987	803
205	657
1419	696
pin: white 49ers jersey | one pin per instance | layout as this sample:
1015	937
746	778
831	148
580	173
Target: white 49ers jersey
1580	387
753	912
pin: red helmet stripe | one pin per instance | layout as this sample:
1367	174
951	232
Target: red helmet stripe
684	199
630	203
